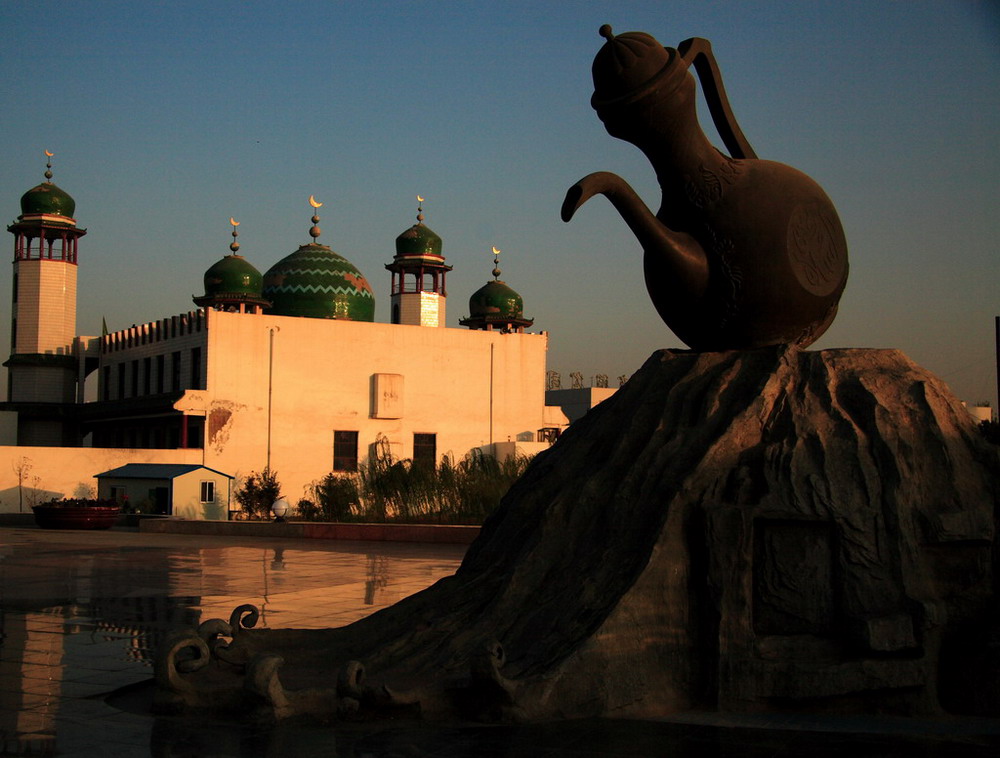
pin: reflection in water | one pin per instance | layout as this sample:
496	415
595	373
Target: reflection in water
377	576
82	615
26	700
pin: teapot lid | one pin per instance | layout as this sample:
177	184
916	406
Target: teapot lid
630	65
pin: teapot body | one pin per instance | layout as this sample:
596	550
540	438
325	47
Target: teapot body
770	252
775	249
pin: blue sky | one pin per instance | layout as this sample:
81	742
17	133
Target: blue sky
167	118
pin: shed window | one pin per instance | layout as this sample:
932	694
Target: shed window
208	492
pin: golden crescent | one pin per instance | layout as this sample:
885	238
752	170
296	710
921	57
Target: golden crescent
233	221
419	199
314	203
49	154
495	251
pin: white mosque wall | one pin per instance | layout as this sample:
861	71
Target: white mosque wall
58	472
279	387
275	389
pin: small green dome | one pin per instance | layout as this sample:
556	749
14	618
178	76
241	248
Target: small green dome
47	199
418	240
234	275
316	282
496	301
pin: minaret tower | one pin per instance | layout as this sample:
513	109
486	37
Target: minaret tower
233	284
418	276
495	306
42	368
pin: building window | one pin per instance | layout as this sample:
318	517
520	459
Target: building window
121	381
106	389
175	371
425	451
135	379
118	493
196	368
208	492
345	451
147	378
160	368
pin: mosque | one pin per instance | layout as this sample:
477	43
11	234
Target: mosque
284	370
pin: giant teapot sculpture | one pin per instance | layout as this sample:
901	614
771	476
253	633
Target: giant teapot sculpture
743	252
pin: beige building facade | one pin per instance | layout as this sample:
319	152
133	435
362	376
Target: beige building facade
284	371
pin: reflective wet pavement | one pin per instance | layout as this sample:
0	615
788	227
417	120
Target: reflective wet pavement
82	612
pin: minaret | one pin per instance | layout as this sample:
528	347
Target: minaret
495	306
233	284
418	276
42	367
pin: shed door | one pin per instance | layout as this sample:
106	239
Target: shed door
160	498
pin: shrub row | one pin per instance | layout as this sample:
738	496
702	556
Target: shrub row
389	490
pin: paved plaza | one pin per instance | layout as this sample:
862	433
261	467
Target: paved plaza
81	614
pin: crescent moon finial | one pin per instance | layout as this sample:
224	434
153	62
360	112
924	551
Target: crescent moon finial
234	245
419	199
314	202
496	263
49	154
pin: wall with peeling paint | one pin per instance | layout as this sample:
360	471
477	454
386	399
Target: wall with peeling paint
276	388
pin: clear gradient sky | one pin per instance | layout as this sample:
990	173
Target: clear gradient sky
167	118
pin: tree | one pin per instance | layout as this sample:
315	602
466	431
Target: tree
336	495
22	467
258	492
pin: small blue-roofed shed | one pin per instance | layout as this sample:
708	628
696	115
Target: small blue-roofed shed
184	490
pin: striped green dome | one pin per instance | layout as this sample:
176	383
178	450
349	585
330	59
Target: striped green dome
316	282
47	199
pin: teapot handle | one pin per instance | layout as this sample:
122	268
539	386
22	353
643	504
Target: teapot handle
698	51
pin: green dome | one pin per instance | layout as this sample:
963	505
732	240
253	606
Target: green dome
316	282
47	199
418	240
234	275
495	301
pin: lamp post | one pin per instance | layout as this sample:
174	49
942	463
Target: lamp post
279	508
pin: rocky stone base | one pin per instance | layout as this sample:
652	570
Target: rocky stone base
757	530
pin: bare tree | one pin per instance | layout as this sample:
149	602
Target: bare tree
34	492
22	467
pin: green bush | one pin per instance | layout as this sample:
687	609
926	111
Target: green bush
386	489
257	493
307	510
337	496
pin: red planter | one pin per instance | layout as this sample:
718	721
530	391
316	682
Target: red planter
75	517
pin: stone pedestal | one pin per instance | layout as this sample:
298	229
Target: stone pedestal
757	530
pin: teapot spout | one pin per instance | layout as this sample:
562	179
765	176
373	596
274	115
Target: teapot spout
675	260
